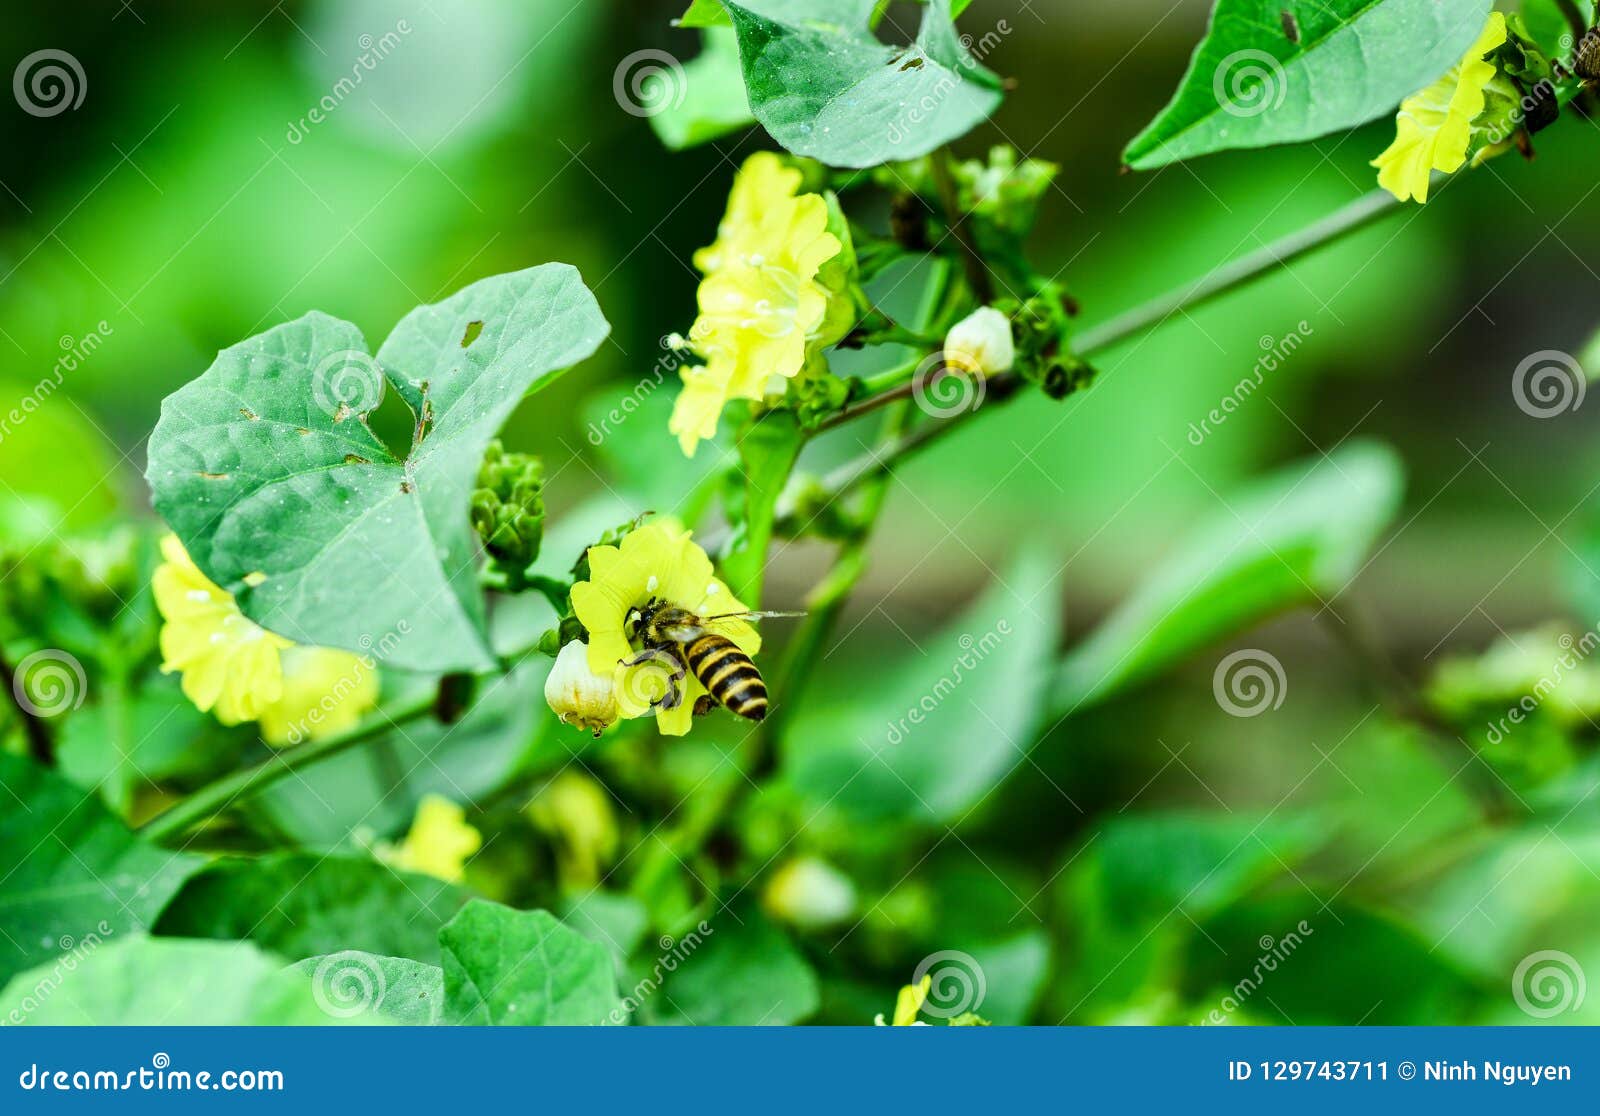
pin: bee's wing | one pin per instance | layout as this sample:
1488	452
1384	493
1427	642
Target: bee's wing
748	616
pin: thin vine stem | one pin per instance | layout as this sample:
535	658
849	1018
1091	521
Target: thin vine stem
1230	276
215	797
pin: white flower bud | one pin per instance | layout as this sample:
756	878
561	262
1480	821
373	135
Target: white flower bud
810	893
577	694
980	342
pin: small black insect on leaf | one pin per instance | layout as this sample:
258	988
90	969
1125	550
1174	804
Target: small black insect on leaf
1291	26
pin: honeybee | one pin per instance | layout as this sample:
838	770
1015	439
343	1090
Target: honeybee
682	642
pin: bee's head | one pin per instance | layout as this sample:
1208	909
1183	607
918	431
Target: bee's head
640	620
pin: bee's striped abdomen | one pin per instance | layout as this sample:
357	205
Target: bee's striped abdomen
728	674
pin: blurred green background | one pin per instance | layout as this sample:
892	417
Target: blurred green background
1131	865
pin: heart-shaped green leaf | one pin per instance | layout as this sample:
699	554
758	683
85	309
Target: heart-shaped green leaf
266	469
1283	71
824	86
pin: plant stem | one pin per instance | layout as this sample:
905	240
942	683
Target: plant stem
971	259
38	733
215	797
1280	253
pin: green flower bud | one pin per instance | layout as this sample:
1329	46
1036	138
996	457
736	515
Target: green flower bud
508	511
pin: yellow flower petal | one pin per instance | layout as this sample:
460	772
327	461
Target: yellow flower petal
910	1001
229	664
1433	129
440	841
324	693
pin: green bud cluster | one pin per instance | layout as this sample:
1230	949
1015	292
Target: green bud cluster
508	511
1040	326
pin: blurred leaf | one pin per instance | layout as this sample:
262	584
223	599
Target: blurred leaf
299	905
617	922
1294	959
1549	26
1130	897
524	968
117	746
1288	540
824	86
937	730
768	448
507	733
707	100
1014	971
1251	85
153	982
69	869
743	972
358	985
265	437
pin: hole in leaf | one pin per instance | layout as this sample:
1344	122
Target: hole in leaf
473	329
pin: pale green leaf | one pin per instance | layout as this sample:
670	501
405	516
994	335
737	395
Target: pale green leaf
69	870
300	905
1295	538
369	987
159	982
824	86
1252	83
743	971
524	968
266	469
705	100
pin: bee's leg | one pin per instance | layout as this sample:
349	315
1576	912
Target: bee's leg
674	692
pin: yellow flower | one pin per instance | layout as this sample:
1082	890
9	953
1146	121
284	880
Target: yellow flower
761	301
440	841
324	692
1434	127
230	664
576	811
908	1003
658	562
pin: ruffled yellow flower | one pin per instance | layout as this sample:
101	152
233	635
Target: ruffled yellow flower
657	562
324	692
761	302
440	841
1434	127
230	664
238	671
